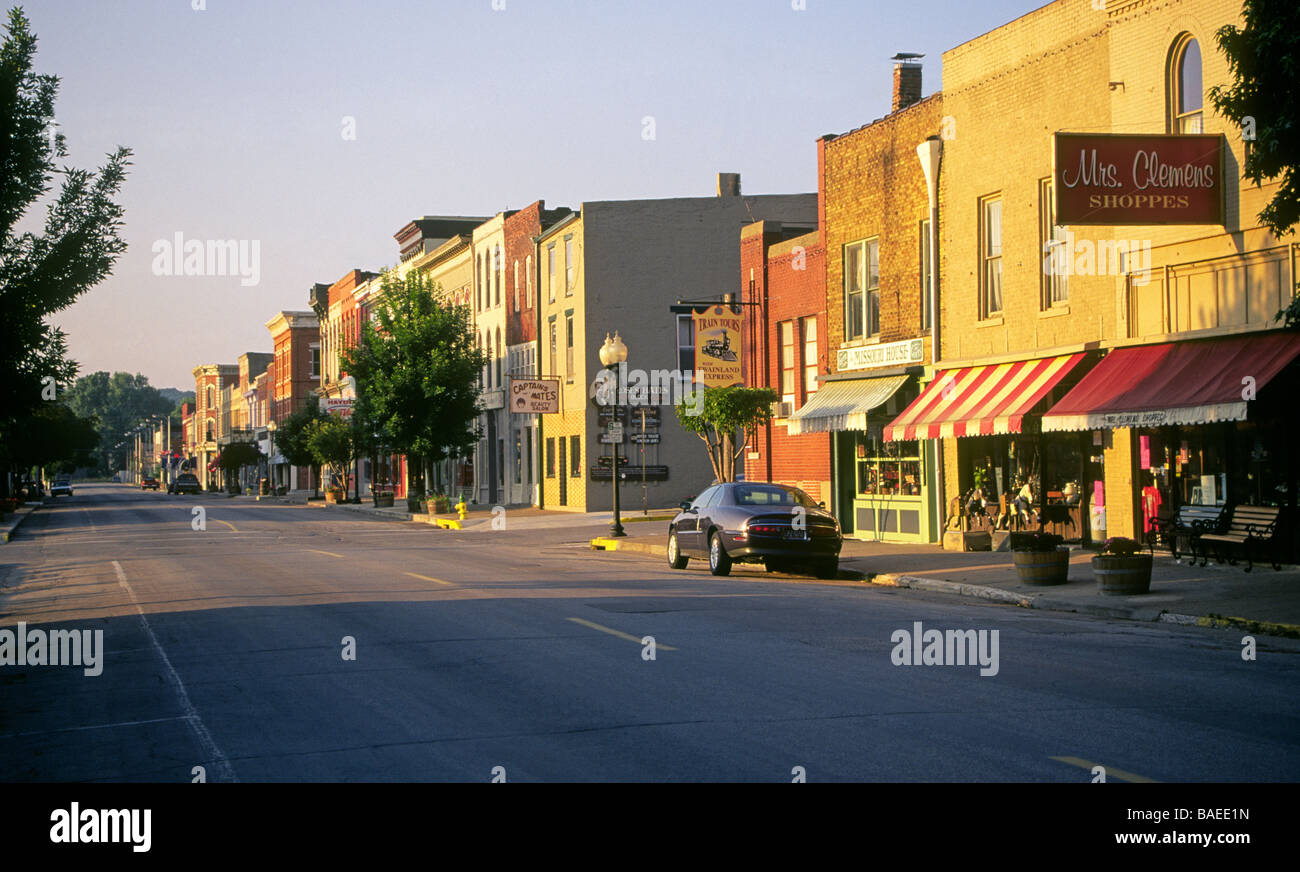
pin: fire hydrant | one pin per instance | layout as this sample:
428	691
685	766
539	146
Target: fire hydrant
461	509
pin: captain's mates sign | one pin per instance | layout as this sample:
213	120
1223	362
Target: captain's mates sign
717	347
1114	178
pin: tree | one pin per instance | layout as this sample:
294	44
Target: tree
417	371
716	415
333	442
236	456
1264	99
44	272
117	402
53	437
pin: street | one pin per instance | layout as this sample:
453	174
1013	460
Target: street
286	643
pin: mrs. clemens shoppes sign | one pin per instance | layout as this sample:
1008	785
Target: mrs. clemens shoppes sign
886	354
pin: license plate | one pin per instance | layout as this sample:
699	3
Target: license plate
799	535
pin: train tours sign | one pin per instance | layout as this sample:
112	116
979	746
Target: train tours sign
1114	178
717	347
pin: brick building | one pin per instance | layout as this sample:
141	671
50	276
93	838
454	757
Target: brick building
295	373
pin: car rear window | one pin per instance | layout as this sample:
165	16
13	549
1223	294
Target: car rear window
771	495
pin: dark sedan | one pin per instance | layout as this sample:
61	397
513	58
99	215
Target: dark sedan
185	483
756	522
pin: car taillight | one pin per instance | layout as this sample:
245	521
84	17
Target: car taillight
765	529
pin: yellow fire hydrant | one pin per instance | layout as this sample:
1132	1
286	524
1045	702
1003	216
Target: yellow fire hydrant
461	509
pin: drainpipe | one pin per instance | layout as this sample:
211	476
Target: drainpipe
929	154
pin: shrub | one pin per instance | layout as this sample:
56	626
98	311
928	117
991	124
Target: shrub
1038	541
1118	546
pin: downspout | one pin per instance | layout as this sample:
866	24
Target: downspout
929	153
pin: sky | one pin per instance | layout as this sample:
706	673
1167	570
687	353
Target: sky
310	131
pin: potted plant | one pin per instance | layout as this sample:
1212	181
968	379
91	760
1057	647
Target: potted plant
1040	558
1121	568
383	496
333	495
439	504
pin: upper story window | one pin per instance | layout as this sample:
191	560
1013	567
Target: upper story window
315	361
1053	244
554	329
861	289
568	345
810	359
496	274
1184	86
528	282
550	271
990	256
517	288
787	361
570	270
925	244
685	343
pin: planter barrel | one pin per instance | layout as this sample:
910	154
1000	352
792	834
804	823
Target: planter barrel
1122	576
1042	567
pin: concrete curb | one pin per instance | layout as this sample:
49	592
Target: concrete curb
20	515
640	546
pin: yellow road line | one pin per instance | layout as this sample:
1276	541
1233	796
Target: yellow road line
619	633
428	578
1111	771
227	523
326	553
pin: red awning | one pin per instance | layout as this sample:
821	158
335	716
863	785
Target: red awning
980	400
1189	382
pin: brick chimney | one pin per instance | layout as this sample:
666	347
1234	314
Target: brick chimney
907	79
728	184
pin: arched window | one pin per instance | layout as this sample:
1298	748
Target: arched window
496	275
498	358
212	401
1186	96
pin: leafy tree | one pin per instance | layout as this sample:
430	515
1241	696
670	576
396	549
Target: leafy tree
333	442
717	413
417	371
52	437
237	455
291	434
44	272
117	402
1264	59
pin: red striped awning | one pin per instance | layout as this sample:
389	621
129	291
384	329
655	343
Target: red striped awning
980	400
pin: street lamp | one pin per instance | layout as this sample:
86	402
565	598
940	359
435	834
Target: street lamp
612	355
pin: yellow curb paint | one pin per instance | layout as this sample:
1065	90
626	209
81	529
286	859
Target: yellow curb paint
1111	772
448	524
428	578
599	544
227	523
619	633
326	553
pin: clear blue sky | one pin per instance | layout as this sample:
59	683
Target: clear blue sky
235	114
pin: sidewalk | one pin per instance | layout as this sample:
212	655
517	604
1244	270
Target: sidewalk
481	518
1180	591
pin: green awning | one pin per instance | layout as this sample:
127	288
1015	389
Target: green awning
843	405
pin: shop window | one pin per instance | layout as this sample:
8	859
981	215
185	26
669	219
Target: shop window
887	468
519	457
1052	243
990	257
575	456
1184	86
550	457
787	361
810	360
924	243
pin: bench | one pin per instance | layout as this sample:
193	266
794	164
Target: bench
1247	528
1189	523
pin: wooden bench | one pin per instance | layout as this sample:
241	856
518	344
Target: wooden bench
1247	528
1189	523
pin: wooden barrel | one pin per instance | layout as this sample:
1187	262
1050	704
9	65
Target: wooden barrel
1042	567
1122	576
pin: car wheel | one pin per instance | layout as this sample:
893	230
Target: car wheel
827	568
676	559
719	562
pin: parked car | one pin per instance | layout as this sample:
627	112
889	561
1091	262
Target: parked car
61	486
756	522
148	483
185	483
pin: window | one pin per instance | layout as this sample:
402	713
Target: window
528	451
570	268
501	462
500	355
487	376
887	468
862	289
575	457
550	271
810	361
787	361
568	345
315	361
496	274
924	243
211	425
685	343
550	457
519	457
212	401
517	289
1184	86
554	329
478	284
528	282
1052	239
990	257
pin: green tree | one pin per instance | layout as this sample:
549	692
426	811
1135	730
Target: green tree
716	414
117	402
51	438
236	456
1264	100
333	442
291	436
44	272
417	371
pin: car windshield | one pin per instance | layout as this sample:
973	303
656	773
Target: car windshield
772	495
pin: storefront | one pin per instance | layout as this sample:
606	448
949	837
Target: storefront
1201	422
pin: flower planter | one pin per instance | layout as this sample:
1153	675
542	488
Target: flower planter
333	497
1042	567
1122	576
415	505
383	501
439	506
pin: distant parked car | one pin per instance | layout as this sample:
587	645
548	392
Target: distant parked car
756	522
185	483
148	483
61	486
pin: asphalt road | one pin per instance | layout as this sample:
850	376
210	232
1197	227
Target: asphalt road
519	654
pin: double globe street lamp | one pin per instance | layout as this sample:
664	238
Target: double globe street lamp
613	354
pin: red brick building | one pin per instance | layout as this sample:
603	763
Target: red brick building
295	376
783	270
